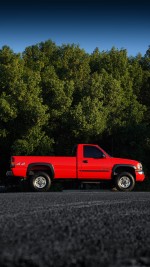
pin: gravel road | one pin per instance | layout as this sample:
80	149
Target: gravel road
75	228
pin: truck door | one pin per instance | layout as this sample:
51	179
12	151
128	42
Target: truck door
94	164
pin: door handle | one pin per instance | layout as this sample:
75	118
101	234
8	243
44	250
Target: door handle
85	161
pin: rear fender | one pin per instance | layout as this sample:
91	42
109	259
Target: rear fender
40	166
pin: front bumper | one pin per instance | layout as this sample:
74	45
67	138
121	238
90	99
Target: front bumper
140	176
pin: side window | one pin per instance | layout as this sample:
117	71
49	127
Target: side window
92	152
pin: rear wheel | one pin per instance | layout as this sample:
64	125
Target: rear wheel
125	181
40	182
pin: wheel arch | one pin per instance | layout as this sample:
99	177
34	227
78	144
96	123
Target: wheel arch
118	168
40	166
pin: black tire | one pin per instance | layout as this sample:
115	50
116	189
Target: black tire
125	182
40	182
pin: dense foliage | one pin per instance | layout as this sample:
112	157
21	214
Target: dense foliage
52	97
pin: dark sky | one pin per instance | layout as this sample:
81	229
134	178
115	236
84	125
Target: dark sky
90	24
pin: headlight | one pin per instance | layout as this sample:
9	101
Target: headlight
139	167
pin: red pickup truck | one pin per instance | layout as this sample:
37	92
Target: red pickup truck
89	163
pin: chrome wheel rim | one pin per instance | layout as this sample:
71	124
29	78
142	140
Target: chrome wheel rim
40	182
124	182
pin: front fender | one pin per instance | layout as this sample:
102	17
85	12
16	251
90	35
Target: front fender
123	167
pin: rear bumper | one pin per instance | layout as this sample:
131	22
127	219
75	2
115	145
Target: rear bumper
10	179
140	176
9	173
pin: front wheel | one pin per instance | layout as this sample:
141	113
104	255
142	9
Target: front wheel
125	181
40	182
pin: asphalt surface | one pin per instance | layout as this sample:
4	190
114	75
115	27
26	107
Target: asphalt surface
75	228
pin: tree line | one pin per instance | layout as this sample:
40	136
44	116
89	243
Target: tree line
52	97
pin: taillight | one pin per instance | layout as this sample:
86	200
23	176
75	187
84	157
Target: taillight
12	162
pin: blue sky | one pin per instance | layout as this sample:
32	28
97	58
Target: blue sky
87	23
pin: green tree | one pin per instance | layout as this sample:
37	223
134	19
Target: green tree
114	62
21	104
41	55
